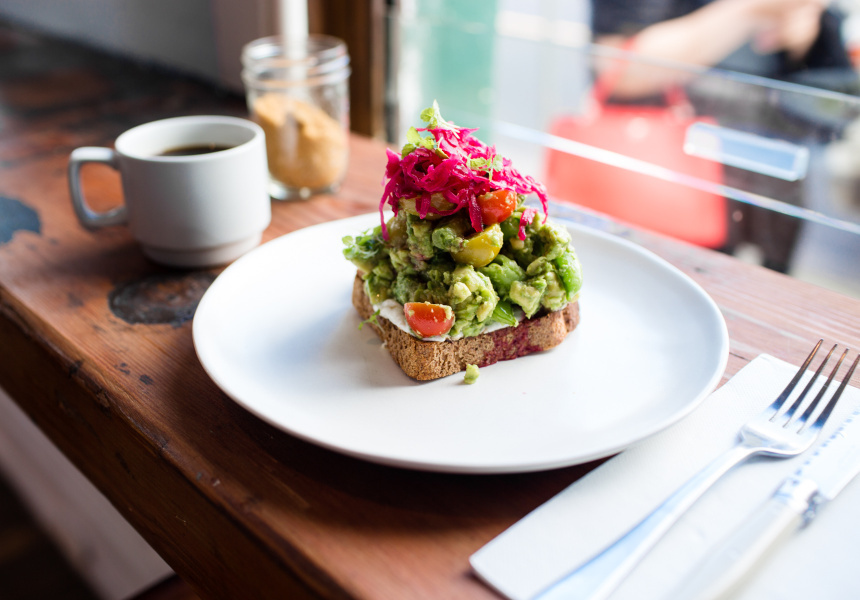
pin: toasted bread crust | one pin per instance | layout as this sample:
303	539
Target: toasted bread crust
431	360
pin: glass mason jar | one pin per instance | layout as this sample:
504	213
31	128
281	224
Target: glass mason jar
299	94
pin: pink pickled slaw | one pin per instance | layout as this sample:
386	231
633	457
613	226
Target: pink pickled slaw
448	170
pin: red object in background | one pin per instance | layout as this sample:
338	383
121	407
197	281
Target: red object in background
653	134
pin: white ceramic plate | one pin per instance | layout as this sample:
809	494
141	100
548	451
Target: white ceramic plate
277	332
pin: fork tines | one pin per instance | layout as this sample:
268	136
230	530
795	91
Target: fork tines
789	416
823	416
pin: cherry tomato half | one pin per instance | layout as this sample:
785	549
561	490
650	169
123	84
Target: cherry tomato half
496	206
480	249
427	319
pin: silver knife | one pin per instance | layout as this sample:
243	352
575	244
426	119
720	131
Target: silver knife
795	503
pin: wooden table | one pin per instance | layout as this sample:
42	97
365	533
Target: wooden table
95	346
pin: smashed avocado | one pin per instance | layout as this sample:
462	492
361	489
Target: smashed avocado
485	277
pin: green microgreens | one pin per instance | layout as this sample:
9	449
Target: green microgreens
433	117
370	319
416	140
486	164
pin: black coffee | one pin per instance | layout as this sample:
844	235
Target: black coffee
194	150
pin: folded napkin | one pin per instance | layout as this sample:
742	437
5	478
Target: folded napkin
819	561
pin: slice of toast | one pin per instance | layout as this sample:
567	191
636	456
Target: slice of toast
431	360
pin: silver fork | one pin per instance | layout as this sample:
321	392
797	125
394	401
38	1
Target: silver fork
781	430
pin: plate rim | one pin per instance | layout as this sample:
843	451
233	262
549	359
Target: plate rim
466	467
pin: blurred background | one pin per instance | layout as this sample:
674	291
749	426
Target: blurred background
740	142
730	124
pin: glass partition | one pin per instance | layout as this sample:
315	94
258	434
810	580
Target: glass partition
767	169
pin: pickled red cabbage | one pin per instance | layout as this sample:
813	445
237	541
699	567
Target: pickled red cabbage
455	164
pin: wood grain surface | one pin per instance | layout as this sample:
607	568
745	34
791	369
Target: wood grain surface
95	345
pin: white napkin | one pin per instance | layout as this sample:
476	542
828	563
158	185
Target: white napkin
820	561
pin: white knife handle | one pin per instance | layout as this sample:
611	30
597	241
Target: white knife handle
725	569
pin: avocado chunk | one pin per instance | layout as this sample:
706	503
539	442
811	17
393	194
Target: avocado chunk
472	374
528	294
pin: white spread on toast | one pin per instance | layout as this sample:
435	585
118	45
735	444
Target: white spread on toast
393	311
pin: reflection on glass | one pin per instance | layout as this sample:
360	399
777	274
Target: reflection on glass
785	111
766	156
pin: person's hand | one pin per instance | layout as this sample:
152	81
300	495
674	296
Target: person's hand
786	25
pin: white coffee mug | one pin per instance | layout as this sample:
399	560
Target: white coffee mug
195	188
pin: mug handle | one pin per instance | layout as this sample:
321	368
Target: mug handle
87	216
